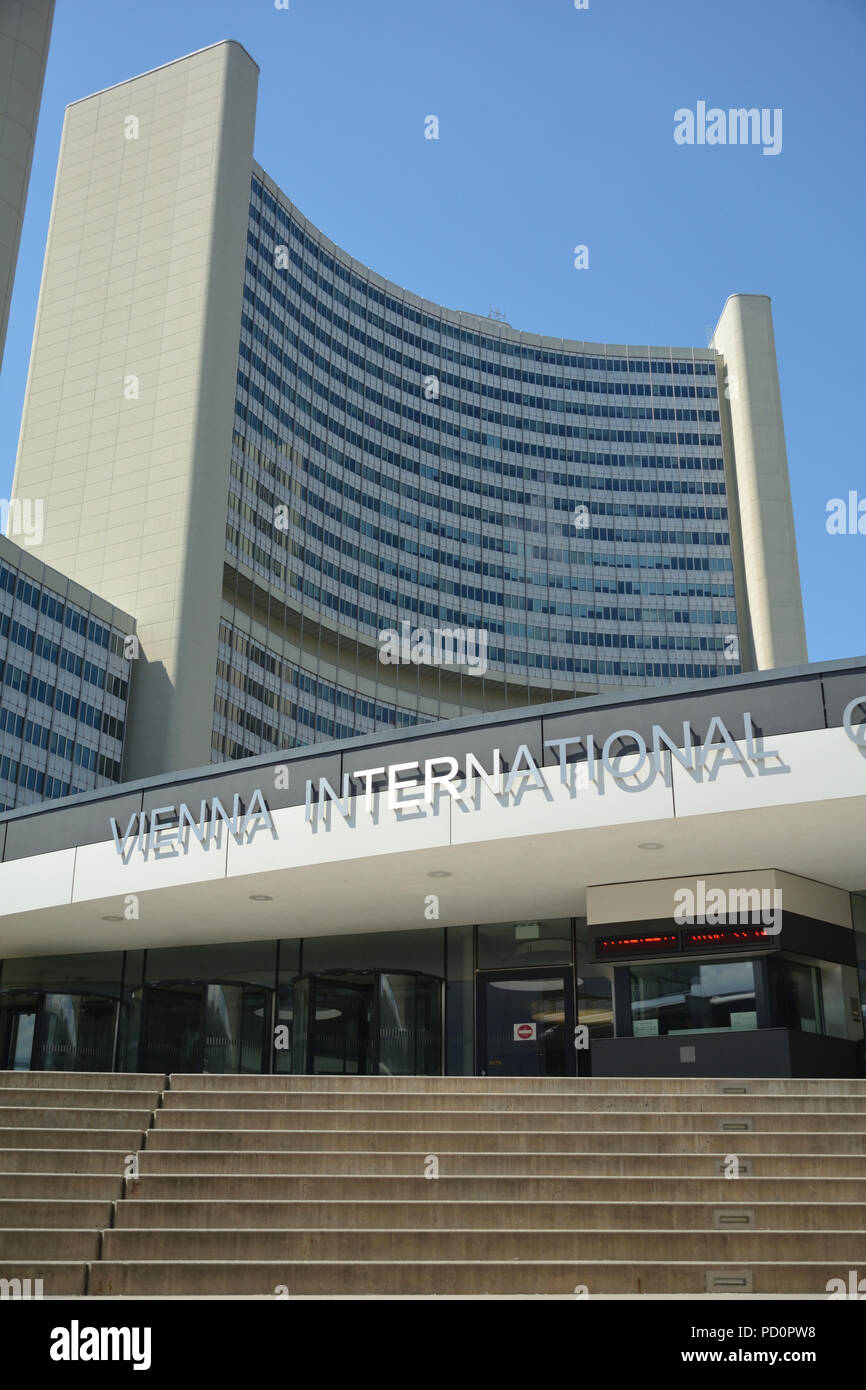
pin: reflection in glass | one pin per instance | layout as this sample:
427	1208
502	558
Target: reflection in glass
801	996
409	1025
236	1017
515	944
341	1021
17	1029
419	950
243	962
76	1032
367	1022
22	1041
196	1026
300	1024
170	1027
45	1030
691	997
527	1022
595	1004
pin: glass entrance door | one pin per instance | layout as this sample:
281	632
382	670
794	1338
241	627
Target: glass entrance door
17	1031
201	1026
367	1023
49	1030
526	1023
171	1032
236	1025
342	1026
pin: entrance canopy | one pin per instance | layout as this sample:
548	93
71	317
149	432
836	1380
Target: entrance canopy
485	819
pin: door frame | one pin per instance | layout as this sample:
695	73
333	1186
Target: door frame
147	1000
376	973
41	1017
531	972
7	1001
373	1041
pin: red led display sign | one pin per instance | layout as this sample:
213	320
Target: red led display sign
724	936
630	945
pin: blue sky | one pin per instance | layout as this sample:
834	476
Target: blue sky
555	129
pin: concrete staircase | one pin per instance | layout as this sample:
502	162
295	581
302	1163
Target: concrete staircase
264	1186
63	1140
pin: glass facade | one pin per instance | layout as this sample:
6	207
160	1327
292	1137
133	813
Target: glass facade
700	996
396	463
525	1025
64	688
858	903
506	999
61	1013
365	1023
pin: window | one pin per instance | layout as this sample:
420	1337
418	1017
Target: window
691	997
800	996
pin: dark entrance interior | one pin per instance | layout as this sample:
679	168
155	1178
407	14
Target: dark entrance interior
342	1023
526	1022
198	1026
48	1030
367	1023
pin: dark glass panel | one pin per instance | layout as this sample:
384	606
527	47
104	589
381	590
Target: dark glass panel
692	996
527	1025
523	944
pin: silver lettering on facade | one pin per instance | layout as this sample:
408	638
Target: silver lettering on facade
145	831
168	829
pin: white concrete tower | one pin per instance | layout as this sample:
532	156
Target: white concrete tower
126	430
744	339
25	31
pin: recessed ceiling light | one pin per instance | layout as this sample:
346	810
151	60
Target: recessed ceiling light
439	873
260	898
112	919
650	844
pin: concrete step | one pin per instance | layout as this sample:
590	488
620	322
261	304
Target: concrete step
597	1215
105	1162
545	1085
505	1101
55	1213
709	1141
344	1119
120	1140
48	1242
72	1117
79	1080
62	1186
709	1246
317	1183
456	1163
193	1187
79	1098
59	1278
431	1278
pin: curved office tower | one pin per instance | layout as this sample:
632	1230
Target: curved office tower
25	34
335	507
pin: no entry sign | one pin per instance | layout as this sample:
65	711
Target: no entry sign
524	1032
